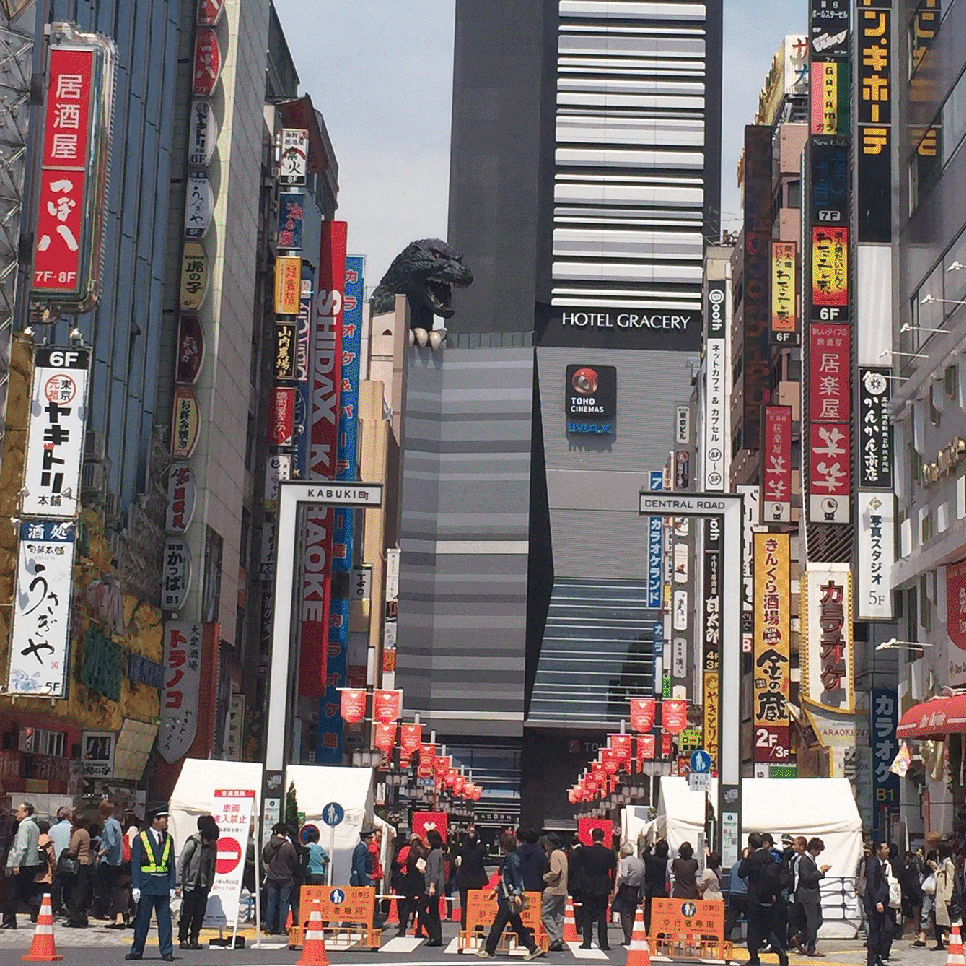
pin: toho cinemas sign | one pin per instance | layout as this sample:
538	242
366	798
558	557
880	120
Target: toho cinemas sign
612	328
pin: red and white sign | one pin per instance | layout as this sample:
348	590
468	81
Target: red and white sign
191	349
353	705
385	737
646	748
956	603
185	422
232	812
424	822
623	748
179	699
325	379
427	760
586	826
642	713
386	706
282	426
828	466
829	370
209	12
777	468
207	62
674	716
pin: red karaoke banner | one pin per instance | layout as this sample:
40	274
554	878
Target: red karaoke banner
642	713
956	603
829	361
674	716
386	706
353	704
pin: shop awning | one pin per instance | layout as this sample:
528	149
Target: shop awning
934	718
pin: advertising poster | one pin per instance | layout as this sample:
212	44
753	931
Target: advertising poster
179	700
827	657
776	489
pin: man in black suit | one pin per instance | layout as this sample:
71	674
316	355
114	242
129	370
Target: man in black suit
597	870
876	898
807	895
762	871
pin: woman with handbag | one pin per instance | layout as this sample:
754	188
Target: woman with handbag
44	879
79	849
927	889
511	901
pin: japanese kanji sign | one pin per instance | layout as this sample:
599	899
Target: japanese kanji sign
185	422
830	97
294	160
40	638
191	350
772	646
829	361
232	812
876	554
784	293
776	490
198	205
181	498
208	14
290	214
207	62
55	433
827	657
956	603
194	276
875	429
830	270
72	187
179	700
282	423
175	573
352	704
874	155
386	706
885	747
288	284
202	132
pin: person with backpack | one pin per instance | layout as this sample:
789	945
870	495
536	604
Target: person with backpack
196	875
281	864
763	874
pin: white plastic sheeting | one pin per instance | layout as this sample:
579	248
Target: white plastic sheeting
821	807
318	785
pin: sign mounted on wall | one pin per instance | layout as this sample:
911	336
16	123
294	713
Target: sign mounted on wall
207	62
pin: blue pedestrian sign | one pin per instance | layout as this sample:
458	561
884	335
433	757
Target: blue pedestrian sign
700	762
337	897
332	814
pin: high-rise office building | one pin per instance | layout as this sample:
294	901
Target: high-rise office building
584	181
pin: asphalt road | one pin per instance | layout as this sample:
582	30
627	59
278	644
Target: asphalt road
97	946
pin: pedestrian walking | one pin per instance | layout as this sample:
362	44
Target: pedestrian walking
281	863
554	902
709	885
655	878
79	849
60	836
946	889
510	897
318	867
470	870
44	876
414	887
21	866
630	889
196	876
762	872
876	900
361	868
910	882
927	888
737	898
435	887
153	884
809	875
533	859
110	859
598	870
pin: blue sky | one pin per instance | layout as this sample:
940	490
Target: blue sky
381	73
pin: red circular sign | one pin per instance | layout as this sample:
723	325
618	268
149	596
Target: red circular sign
229	855
60	389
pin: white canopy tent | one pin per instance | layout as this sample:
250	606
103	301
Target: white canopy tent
636	828
820	807
352	788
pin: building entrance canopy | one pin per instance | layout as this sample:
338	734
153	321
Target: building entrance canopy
934	718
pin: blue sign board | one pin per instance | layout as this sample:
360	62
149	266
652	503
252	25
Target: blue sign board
885	747
700	761
657	479
655	561
333	814
290	212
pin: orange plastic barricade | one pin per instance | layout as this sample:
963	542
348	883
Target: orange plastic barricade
689	929
347	913
481	914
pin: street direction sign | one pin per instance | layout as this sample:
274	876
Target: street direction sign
332	814
700	761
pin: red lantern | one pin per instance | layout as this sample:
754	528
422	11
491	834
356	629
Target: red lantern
353	704
642	713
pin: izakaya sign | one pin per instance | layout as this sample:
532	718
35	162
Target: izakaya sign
772	647
55	434
232	813
73	179
40	640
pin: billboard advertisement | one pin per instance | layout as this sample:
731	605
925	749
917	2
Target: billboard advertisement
776	487
784	293
827	656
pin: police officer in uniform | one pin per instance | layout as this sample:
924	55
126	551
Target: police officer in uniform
153	883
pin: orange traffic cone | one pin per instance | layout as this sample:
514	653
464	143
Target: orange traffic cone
570	934
42	948
313	946
639	952
955	957
289	919
393	917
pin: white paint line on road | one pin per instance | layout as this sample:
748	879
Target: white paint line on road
586	953
403	944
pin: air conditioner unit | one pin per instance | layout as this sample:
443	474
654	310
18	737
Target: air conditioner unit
95	447
92	478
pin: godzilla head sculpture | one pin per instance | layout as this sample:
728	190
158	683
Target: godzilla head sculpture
425	271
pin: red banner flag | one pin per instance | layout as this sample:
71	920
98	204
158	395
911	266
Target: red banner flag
642	714
623	748
386	706
412	737
645	748
353	705
385	738
674	716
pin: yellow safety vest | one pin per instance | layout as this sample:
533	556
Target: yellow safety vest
148	849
